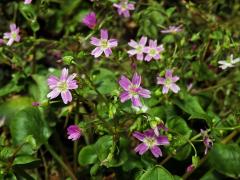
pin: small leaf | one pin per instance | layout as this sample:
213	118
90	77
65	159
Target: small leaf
156	173
87	155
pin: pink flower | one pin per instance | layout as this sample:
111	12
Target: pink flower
103	44
153	50
150	141
27	1
35	104
172	29
168	82
190	168
124	7
138	48
1	41
208	143
13	35
74	132
62	86
90	20
133	90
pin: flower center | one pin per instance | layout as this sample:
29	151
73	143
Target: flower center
133	90
139	49
168	81
104	43
62	86
14	35
152	52
124	6
150	141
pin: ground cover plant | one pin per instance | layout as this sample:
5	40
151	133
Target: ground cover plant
111	89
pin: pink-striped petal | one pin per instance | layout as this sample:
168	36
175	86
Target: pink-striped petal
66	96
156	151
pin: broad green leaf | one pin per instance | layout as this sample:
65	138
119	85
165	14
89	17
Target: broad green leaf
190	105
105	81
156	173
183	134
87	155
13	105
26	161
225	158
28	122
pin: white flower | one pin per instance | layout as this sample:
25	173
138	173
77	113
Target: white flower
228	63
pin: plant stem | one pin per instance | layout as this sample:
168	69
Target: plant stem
224	141
60	161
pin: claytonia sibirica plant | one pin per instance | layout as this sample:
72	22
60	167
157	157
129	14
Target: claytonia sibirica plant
74	132
228	63
103	44
138	48
153	50
133	90
90	20
124	7
169	82
13	35
172	29
150	141
62	86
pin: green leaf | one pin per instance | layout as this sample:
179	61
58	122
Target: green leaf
225	158
87	155
26	161
105	81
190	105
180	126
40	89
13	105
28	122
156	173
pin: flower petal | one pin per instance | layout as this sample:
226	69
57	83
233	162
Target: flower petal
66	96
53	94
165	89
136	80
141	148
104	34
97	52
64	74
125	96
161	80
175	88
139	135
144	93
107	52
52	82
124	83
136	101
143	41
162	140
168	74
156	151
95	41
112	42
133	43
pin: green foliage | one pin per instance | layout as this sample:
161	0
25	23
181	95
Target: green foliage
223	153
157	173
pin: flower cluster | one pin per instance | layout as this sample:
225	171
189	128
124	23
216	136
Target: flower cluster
152	51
